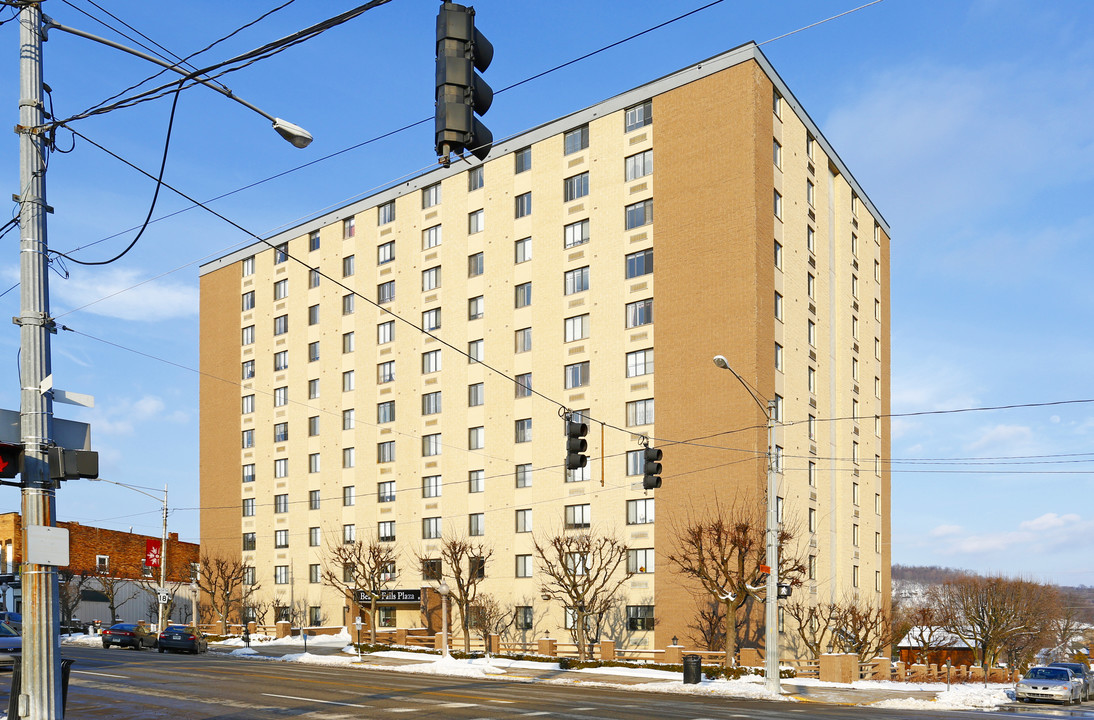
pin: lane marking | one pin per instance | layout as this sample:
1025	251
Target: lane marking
88	672
317	700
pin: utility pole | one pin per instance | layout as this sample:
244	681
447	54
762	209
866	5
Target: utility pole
771	599
40	697
163	564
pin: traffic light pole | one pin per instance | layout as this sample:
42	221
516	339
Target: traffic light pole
40	698
771	601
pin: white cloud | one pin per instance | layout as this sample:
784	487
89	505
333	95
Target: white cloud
118	417
1044	533
1004	437
122	294
946	530
1049	521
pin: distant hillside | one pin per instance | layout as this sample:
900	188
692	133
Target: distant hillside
924	574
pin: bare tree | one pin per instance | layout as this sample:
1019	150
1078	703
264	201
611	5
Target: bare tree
224	580
489	617
71	583
862	628
583	573
1065	626
990	612
151	583
118	591
464	563
814	623
723	549
708	626
360	566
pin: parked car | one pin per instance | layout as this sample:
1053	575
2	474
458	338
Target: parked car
183	637
11	645
134	635
1083	672
1049	683
14	619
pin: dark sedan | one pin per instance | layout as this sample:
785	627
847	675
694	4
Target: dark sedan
136	636
183	638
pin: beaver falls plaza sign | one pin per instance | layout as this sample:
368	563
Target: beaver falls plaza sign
390	597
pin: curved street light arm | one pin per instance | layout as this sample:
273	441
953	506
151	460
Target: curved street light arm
295	134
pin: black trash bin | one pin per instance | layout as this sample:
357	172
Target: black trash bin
693	670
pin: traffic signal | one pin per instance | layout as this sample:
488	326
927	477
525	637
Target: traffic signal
782	591
65	464
576	444
652	468
11	459
461	94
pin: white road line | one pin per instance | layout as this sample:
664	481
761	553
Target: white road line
507	702
457	705
87	672
316	700
401	710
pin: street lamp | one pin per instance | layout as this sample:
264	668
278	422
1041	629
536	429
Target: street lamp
443	589
163	546
771	600
42	696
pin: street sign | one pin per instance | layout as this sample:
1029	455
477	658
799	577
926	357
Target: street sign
163	598
390	597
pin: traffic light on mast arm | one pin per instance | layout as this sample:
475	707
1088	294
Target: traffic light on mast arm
576	444
461	94
651	480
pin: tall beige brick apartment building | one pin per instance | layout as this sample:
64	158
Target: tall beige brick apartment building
327	417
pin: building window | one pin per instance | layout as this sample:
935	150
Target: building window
523	340
524	476
778	356
349	228
576	280
431	195
475	222
385	531
431	319
248	576
640	362
476	438
431	486
249	473
385	332
638	116
810	193
385	411
575	187
778	205
431	445
248	438
778	255
639	214
812	474
524	521
777	153
812	427
474	265
524	385
636	462
431	403
385	253
313	537
474	179
385	213
313	315
811	379
431	278
281	467
640	560
637	166
476	481
575	140
812	520
385	293
248	404
522	160
523	205
524	295
582	474
431	530
431	362
476	524
249	541
431	237
522	250
248	266
248	336
811	333
523	430
476	394
810	238
475	307
281	432
313	351
575	234
385	491
640	412
524	567
248	369
578	516
281	503
281	538
640	512
349	534
576	375
523	618
248	507
348	381
281	253
640	313
313	462
475	351
639	263
248	300
385	451
576	328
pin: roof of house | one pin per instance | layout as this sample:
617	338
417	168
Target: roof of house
936	637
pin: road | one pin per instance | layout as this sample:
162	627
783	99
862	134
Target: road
124	685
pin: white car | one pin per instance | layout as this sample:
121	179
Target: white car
1055	684
11	645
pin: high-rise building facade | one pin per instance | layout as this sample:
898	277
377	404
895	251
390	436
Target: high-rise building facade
394	370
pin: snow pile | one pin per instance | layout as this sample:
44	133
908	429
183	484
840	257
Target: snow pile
81	639
959	697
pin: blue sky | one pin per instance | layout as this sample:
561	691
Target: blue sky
966	122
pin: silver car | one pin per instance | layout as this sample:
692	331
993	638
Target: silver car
1055	684
11	645
1082	672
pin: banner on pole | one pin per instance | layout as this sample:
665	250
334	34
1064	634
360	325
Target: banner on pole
153	551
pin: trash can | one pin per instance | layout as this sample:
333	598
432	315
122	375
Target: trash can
693	670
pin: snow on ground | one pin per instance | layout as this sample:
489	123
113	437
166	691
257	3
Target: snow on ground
959	697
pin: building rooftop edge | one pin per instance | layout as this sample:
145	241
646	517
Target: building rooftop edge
665	83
